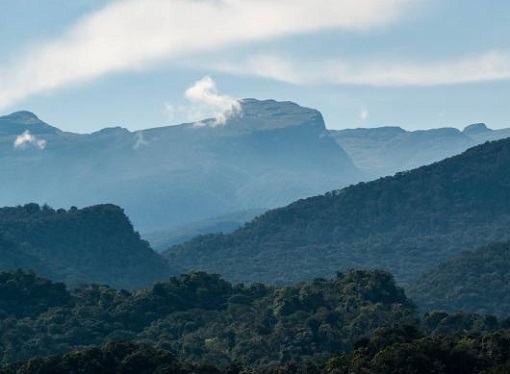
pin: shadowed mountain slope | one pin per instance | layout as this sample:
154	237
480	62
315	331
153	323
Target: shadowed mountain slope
475	281
405	224
95	244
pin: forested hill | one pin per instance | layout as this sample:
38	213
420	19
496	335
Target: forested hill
199	317
475	281
405	224
95	244
356	322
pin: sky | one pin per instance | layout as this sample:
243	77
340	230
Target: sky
83	65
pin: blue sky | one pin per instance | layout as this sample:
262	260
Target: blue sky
83	65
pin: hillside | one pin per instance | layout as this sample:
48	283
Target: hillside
95	244
405	224
269	156
386	150
18	256
475	281
163	239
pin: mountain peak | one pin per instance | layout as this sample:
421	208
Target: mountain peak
272	114
22	116
476	128
17	122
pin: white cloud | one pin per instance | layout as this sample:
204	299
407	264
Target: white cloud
26	139
363	115
489	66
205	102
134	34
208	103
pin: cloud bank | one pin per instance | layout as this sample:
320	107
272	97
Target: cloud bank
489	66
135	34
27	139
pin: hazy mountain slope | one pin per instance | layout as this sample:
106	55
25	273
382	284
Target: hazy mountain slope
386	150
405	224
272	154
477	281
163	239
95	244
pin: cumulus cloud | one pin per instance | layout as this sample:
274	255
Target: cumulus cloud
135	34
27	139
493	65
207	102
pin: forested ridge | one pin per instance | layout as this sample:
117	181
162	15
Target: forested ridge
475	281
95	244
404	224
357	322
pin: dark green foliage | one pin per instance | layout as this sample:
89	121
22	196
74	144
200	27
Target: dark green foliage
405	224
199	318
24	294
406	350
95	244
387	350
477	281
17	256
112	358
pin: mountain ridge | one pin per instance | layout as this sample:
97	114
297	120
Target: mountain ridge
386	150
272	154
403	224
95	244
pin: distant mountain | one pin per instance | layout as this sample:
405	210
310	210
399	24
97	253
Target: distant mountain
475	281
405	224
271	154
386	150
95	244
164	239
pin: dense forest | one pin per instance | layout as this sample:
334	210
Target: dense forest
91	245
357	322
396	350
476	281
200	317
405	224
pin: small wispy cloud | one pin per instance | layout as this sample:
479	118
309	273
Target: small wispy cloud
205	102
27	139
363	114
135	34
490	66
140	140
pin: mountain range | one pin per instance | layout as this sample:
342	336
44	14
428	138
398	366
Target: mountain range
174	180
387	150
267	156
